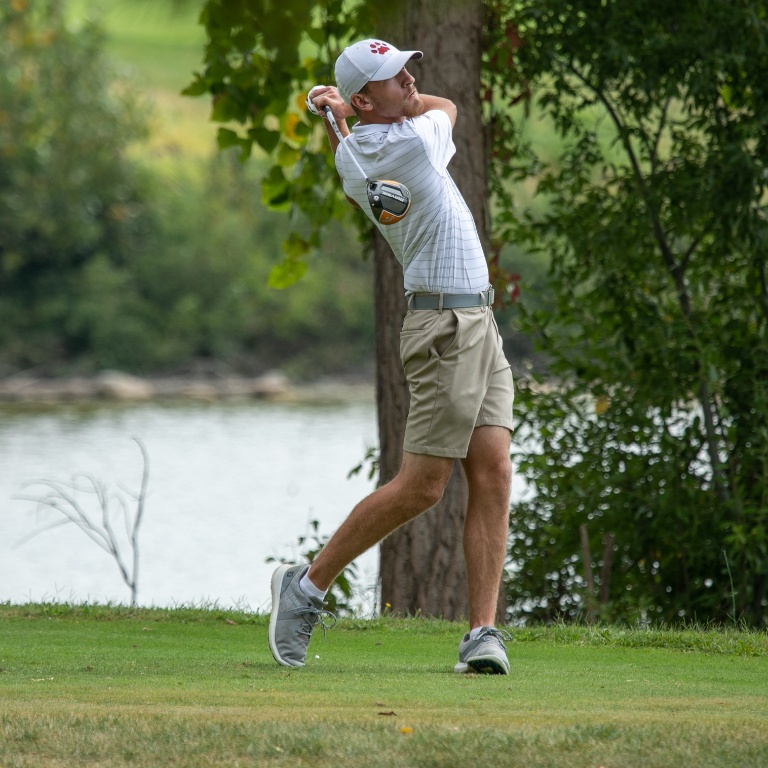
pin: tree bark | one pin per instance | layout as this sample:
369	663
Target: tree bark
391	388
422	564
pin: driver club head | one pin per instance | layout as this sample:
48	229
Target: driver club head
389	200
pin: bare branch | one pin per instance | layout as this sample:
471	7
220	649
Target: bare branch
654	151
139	510
72	511
62	498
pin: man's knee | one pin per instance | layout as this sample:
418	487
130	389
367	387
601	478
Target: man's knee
493	474
424	479
429	492
488	459
500	467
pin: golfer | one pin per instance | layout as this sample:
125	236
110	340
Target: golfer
461	388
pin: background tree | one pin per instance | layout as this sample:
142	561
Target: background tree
71	207
115	256
654	439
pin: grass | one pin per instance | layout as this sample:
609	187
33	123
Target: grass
157	47
89	685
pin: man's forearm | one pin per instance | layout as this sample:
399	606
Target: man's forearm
332	137
438	102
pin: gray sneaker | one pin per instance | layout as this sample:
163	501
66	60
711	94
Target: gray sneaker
293	618
486	654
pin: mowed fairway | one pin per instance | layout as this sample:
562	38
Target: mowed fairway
100	686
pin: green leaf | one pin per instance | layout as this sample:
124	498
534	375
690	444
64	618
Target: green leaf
198	87
317	36
275	189
226	109
285	274
265	138
287	156
295	246
226	138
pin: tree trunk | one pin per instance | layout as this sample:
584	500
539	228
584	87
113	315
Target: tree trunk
422	563
391	388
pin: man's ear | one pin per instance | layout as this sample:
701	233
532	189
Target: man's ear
361	101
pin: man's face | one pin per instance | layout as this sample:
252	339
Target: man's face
395	99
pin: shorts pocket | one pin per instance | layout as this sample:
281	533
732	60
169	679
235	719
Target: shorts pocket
448	331
429	337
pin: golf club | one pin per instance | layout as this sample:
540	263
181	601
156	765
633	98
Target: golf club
389	200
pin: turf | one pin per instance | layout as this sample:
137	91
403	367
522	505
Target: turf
107	686
156	48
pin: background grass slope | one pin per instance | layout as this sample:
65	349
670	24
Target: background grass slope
157	47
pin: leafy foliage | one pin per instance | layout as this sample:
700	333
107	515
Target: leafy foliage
69	199
653	431
204	283
259	62
109	263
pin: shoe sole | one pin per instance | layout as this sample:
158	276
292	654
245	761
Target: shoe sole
488	666
277	583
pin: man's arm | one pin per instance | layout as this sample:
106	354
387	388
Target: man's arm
329	97
437	102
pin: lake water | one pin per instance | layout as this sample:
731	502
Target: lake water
230	485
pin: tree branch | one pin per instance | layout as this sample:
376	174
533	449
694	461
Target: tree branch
677	273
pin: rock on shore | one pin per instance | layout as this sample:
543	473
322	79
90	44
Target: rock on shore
123	387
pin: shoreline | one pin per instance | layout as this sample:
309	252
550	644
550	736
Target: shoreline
119	387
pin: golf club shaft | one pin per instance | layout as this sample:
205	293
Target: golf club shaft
335	126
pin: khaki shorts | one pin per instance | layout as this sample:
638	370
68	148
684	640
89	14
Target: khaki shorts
458	376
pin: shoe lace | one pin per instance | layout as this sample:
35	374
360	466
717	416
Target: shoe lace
313	616
500	635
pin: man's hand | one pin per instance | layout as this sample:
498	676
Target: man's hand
310	104
322	96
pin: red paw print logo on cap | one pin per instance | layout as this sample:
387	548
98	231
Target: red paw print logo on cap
379	48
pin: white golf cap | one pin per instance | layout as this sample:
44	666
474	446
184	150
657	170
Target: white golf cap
369	60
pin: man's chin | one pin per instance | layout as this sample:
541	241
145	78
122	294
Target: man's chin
413	107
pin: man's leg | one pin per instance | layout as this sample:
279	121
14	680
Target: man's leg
418	486
489	477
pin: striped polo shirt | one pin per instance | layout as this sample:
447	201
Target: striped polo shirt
437	241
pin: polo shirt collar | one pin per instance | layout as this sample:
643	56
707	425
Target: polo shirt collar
370	128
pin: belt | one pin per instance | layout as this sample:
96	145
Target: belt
450	300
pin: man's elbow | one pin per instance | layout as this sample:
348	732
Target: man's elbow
452	111
447	106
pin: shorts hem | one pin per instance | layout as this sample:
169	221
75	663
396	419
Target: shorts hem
492	422
433	450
